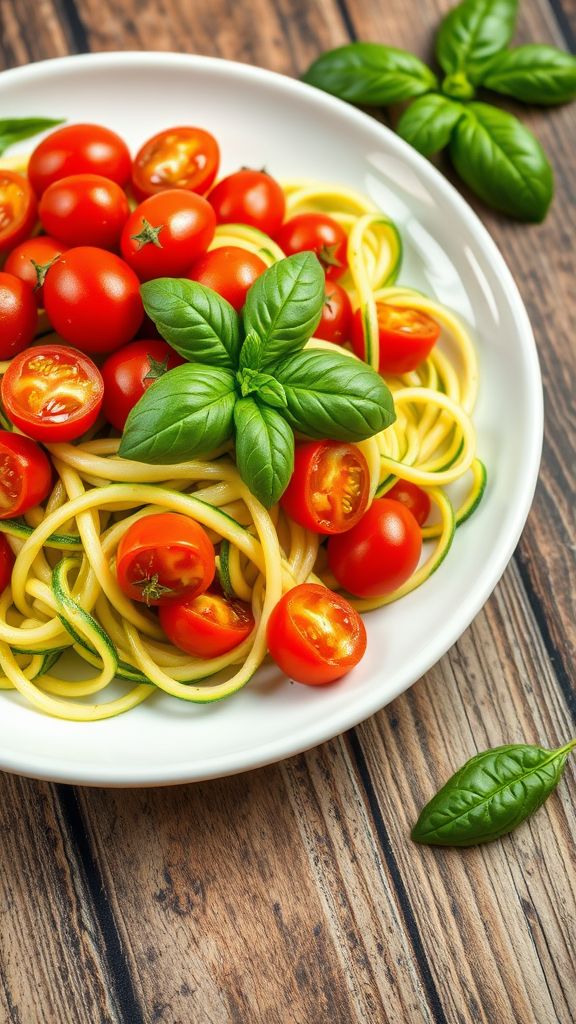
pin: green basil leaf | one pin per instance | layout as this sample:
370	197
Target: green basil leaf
251	352
187	412
14	129
331	395
474	31
533	74
502	162
266	387
490	795
428	123
371	74
284	305
194	320
264	450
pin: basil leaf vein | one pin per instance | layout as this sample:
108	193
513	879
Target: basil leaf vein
371	74
194	320
428	123
534	73
474	31
284	305
264	450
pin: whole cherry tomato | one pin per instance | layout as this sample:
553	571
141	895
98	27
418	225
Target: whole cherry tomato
177	158
129	371
166	233
206	626
336	320
414	499
330	487
25	474
380	553
320	234
6	561
31	261
164	556
230	271
405	336
85	209
18	315
249	197
18	208
79	149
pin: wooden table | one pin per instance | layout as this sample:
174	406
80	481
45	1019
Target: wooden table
293	894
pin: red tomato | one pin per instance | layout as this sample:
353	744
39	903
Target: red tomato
406	337
6	560
31	261
177	158
380	553
320	234
85	209
330	487
25	474
79	149
92	298
249	197
336	320
18	208
230	271
413	497
18	315
165	556
206	626
166	233
315	635
52	393
129	371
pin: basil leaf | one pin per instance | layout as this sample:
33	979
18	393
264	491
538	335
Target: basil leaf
474	31
502	162
268	390
533	74
370	74
490	795
428	123
284	305
186	412
264	450
332	395
194	320
251	352
14	129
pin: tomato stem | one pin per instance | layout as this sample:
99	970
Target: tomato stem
41	271
151	588
148	234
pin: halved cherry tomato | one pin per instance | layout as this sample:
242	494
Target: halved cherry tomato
413	498
31	261
18	208
25	474
79	149
52	393
18	315
164	556
320	234
406	337
166	233
206	626
380	553
315	635
6	560
336	320
177	158
230	271
92	299
330	487
129	371
249	197
85	209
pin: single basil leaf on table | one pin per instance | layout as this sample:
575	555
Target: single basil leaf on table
502	162
187	412
194	320
332	395
15	129
264	450
491	794
533	73
284	305
474	31
428	123
371	74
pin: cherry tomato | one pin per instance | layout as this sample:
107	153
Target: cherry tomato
85	209
129	371
230	271
18	208
320	234
315	635
52	393
249	197
92	299
406	337
164	556
177	158
6	560
18	315
330	487
413	497
336	320
25	474
166	233
79	149
31	261
380	553
206	626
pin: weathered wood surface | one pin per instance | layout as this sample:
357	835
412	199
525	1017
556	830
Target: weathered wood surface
293	894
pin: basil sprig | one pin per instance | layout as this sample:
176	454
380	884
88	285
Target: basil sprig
490	795
14	129
249	380
494	153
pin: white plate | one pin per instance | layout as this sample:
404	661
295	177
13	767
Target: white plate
264	119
